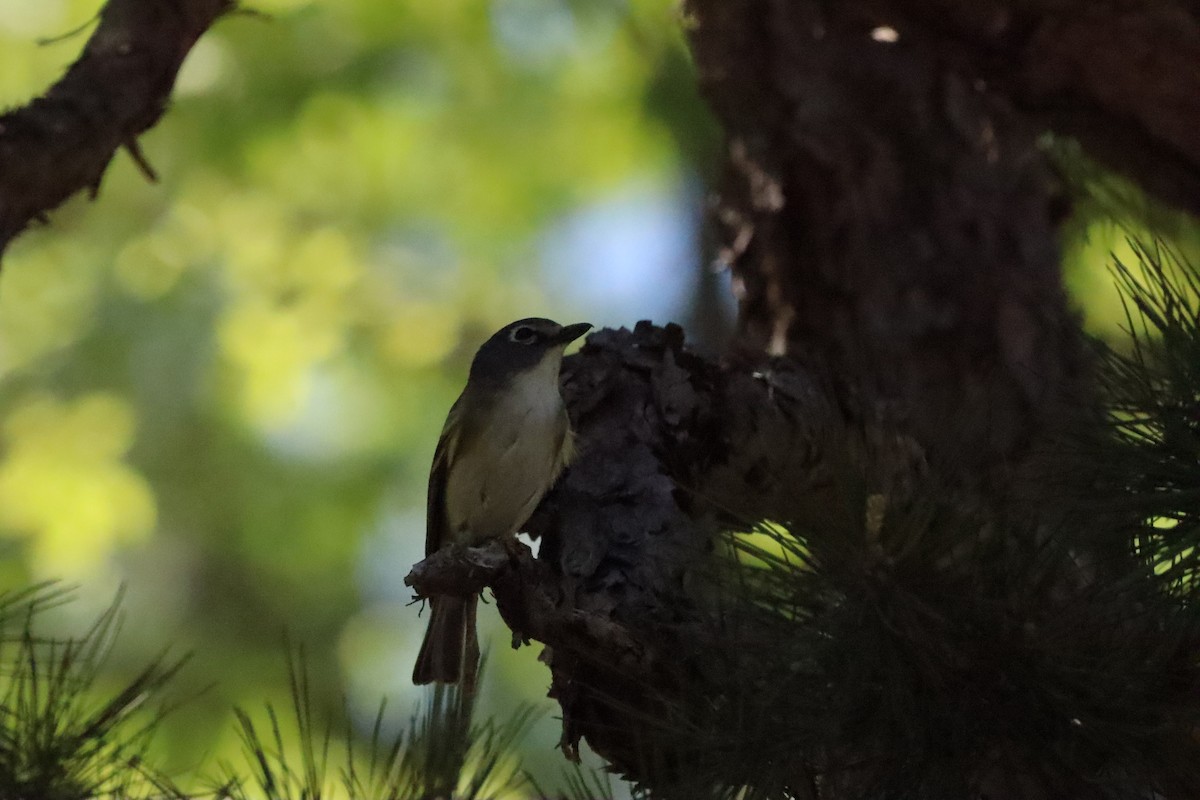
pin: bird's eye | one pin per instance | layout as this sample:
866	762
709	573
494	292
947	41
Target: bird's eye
523	335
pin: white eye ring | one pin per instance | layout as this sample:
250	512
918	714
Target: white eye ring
523	335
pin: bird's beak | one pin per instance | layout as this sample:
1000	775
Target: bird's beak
570	333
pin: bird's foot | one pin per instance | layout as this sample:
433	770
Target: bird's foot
515	548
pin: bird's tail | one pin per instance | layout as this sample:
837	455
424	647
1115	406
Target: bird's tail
450	652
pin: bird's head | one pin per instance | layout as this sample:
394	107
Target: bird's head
525	346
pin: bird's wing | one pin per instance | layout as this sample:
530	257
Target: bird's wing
436	532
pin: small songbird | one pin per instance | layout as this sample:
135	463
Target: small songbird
505	441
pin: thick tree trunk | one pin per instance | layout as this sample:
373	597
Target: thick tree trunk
891	224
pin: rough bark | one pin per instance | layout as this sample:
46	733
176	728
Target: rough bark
893	225
117	89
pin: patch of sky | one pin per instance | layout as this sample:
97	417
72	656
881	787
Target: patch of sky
206	65
534	33
389	549
631	255
417	258
22	18
416	76
342	414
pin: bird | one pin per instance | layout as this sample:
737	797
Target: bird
506	440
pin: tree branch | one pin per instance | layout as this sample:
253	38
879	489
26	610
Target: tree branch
118	88
528	596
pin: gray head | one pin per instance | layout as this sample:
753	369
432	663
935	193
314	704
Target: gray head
521	346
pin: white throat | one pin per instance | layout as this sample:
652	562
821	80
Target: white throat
536	390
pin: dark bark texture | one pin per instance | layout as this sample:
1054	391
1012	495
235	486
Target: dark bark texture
1123	77
890	214
118	88
891	223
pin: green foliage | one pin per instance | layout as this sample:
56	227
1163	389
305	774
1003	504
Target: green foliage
1110	214
57	742
442	753
939	656
1154	391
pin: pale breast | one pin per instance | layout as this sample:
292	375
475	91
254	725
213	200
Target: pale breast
492	490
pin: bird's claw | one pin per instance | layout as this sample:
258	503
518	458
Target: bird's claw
514	547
